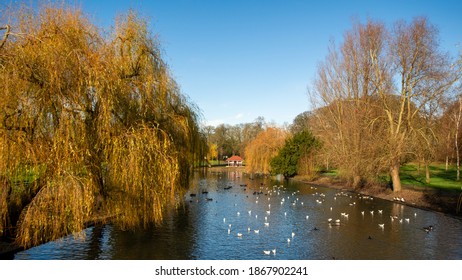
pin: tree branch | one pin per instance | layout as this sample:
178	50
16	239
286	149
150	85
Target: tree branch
5	36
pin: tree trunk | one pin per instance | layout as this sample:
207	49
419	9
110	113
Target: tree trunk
457	153
458	169
427	173
357	181
447	163
95	158
456	138
394	172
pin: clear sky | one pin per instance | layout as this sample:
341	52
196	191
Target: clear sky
238	60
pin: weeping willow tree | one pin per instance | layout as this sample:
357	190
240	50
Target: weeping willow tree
91	125
263	148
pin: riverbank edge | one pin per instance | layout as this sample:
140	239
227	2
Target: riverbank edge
429	199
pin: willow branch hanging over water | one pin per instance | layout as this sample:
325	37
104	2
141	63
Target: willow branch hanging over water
91	125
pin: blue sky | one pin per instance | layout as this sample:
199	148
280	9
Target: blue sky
238	60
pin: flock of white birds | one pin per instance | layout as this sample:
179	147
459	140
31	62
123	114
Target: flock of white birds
265	196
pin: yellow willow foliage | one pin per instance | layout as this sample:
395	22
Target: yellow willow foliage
66	200
142	174
62	207
93	122
17	158
263	148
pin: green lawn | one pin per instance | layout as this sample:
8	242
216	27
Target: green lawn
439	177
330	173
213	163
410	175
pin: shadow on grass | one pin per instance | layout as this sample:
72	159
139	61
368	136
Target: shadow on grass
440	178
443	191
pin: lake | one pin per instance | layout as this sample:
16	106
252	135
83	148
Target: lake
231	216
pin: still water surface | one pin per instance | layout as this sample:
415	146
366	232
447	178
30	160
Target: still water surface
233	216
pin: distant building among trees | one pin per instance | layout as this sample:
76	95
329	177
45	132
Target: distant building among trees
235	161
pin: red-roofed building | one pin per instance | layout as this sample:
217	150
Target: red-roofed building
234	161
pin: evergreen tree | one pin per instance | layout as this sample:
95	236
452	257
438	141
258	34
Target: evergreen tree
288	159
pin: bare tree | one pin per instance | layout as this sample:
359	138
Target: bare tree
344	93
445	128
373	95
421	73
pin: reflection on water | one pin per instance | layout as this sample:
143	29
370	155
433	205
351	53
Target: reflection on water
232	216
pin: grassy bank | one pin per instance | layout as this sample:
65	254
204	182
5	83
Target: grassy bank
442	194
440	178
413	176
223	168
